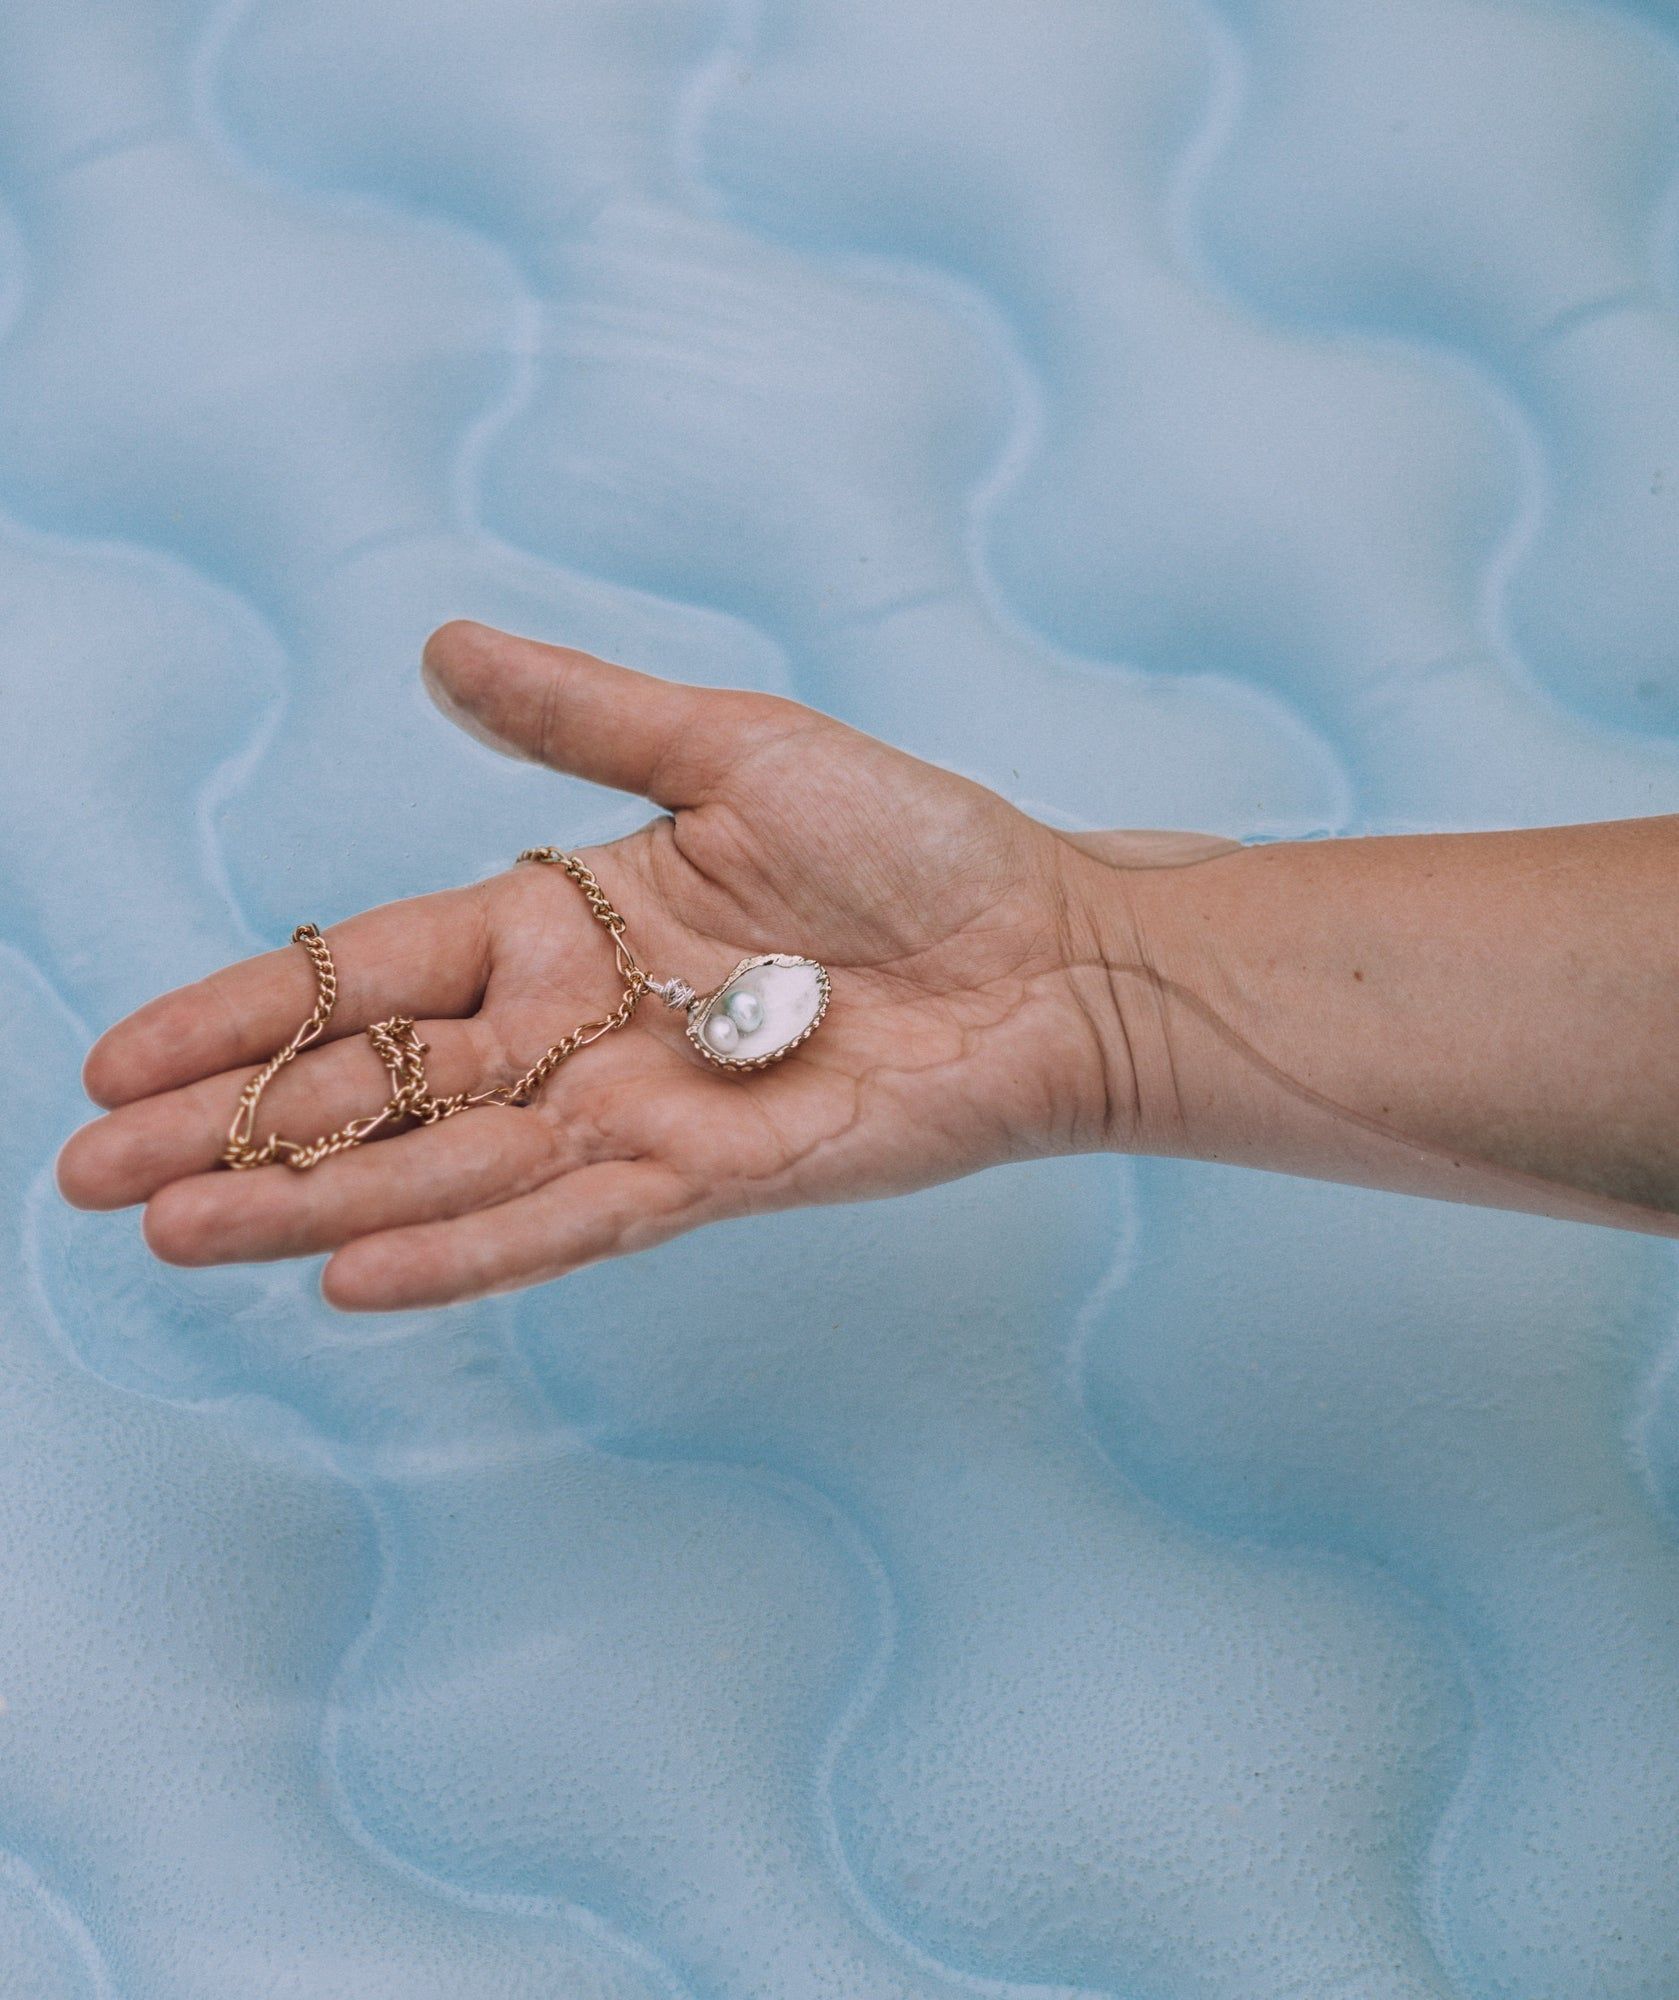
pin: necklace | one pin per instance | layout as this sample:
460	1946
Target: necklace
766	1007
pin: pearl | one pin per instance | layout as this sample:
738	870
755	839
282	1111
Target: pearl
745	1009
720	1032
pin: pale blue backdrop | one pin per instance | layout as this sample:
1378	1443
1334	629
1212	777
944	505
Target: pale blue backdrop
1149	1582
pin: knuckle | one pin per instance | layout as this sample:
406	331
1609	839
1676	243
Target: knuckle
576	1131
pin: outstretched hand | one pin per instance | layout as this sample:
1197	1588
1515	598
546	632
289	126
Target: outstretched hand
962	1030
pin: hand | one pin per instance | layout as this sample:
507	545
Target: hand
965	1026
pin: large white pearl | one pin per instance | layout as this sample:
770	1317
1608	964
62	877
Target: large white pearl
745	1009
721	1032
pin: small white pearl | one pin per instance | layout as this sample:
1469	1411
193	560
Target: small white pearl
721	1033
745	1009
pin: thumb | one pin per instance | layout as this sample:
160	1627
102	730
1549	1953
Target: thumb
635	732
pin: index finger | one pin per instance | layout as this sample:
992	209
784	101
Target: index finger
428	956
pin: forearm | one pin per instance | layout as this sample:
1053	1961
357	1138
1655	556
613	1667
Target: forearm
1486	1017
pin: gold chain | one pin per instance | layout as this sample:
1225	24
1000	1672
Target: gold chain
399	1048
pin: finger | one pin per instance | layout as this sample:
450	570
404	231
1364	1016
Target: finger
427	956
126	1156
635	732
428	1174
599	1211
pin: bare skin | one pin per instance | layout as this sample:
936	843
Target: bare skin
1484	1017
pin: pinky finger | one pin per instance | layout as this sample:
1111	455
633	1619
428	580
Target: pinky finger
598	1211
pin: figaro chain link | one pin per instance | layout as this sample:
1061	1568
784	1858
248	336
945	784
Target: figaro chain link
398	1046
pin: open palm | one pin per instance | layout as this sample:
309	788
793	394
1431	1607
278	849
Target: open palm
959	1032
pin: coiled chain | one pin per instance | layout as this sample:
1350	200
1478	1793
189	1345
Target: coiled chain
398	1046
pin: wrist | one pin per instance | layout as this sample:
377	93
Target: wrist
1135	966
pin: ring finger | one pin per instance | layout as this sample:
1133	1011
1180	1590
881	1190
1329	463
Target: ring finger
429	1174
130	1153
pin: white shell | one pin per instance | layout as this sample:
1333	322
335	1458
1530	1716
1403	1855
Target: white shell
793	994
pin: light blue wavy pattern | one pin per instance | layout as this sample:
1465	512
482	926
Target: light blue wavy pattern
1147	1583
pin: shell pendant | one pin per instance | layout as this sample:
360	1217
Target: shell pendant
765	1008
